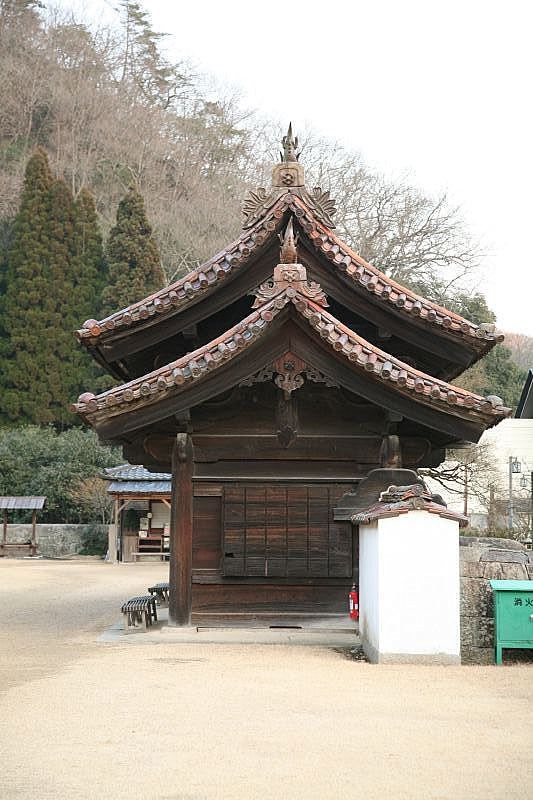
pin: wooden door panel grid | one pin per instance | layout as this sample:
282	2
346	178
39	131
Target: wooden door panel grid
284	531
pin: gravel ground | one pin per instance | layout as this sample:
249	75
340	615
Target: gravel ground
83	719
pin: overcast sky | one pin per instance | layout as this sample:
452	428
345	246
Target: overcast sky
439	90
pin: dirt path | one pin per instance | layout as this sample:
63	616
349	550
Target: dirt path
82	719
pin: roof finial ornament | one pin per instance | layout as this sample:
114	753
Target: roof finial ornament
290	146
289	253
289	174
288	181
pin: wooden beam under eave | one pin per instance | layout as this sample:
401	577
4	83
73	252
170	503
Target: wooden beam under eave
181	521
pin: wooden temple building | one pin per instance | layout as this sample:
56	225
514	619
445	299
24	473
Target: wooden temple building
270	382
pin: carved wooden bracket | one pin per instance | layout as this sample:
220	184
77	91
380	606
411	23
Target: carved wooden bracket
289	373
184	448
289	376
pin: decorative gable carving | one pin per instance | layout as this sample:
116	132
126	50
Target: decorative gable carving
257	202
289	277
293	279
289	373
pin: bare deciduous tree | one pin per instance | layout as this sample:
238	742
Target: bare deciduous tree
91	494
521	346
469	474
110	108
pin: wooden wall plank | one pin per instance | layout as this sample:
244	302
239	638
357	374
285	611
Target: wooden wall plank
207	544
256	510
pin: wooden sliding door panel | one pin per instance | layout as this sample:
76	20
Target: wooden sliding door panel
285	531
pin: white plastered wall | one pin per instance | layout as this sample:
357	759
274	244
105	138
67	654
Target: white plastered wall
409	588
160	514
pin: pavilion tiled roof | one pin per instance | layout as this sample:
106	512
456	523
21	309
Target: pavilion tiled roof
360	354
134	472
26	503
384	290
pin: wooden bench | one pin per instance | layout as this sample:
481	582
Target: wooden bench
139	610
160	591
161	554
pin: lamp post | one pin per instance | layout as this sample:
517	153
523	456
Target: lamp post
514	468
523	485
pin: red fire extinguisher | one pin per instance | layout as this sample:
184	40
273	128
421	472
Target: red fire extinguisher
353	601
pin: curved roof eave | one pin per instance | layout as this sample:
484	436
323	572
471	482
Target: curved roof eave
203	281
356	352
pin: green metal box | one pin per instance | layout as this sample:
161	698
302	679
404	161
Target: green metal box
513	615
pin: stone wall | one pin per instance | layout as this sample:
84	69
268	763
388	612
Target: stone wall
483	559
56	541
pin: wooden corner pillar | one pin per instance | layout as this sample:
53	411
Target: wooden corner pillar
181	520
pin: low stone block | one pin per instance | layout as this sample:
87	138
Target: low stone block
530	571
477	632
470	553
484	632
492	570
514	572
472	569
476	598
505	556
477	655
487	542
467	631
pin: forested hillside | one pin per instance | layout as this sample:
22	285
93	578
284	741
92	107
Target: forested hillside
113	116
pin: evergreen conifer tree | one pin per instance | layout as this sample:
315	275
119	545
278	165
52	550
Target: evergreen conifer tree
132	255
90	273
25	312
90	267
63	363
53	280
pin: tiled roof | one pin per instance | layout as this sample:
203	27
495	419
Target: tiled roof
203	280
140	487
22	503
135	472
191	286
402	499
381	286
357	352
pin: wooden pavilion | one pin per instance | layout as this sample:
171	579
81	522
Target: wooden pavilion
141	513
270	384
26	503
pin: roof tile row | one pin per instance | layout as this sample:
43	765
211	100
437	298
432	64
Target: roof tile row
344	341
